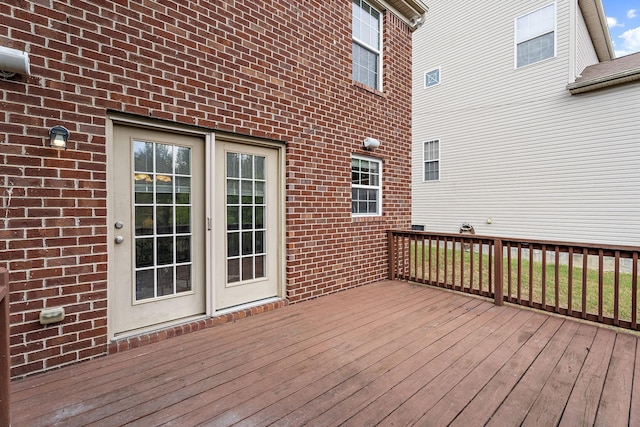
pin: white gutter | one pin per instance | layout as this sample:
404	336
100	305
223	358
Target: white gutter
606	81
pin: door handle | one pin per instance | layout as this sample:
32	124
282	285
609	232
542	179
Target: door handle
119	239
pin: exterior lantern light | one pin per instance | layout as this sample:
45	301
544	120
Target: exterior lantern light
58	137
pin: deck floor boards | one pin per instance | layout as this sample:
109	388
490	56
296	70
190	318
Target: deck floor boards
389	353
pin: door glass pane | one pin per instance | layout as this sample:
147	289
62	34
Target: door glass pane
247	268
165	281
164	158
233	165
183	190
164	189
260	266
259	242
144	220
246	166
143	156
183	219
247	217
183	160
246	209
259	193
143	188
164	219
163	228
165	250
233	218
233	244
247	192
259	218
183	278
183	249
247	243
144	284
144	253
233	191
260	167
233	270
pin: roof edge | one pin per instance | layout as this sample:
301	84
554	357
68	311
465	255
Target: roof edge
596	20
606	81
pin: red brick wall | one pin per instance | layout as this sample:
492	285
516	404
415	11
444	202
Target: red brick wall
272	69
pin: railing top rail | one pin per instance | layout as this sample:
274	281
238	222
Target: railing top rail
528	242
447	235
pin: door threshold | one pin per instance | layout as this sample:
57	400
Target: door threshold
158	327
143	336
252	304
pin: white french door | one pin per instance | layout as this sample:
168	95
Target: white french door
247	228
157	219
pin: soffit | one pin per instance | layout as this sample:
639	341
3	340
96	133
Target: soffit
411	11
409	8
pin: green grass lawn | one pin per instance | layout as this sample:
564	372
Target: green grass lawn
531	278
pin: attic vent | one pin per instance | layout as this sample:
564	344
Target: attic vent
432	77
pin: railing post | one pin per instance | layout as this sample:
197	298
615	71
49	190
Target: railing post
5	359
392	255
498	290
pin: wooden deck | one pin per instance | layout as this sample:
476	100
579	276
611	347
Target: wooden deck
389	354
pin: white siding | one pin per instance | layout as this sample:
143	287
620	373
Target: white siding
515	146
585	52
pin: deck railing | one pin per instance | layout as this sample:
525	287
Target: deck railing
5	358
592	282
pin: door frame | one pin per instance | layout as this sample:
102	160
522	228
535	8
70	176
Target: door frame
210	136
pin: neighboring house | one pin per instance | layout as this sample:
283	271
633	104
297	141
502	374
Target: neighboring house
215	167
524	125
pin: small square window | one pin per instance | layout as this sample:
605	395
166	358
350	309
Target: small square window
432	78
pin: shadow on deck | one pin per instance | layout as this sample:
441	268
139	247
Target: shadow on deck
389	353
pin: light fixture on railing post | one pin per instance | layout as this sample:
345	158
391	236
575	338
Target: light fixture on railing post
58	137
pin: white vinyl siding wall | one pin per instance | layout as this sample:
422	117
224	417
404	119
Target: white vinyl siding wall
519	148
585	52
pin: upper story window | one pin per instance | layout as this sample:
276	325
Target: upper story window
432	78
431	158
367	44
366	186
536	36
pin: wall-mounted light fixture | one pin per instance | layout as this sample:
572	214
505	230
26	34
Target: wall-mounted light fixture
371	143
13	61
58	137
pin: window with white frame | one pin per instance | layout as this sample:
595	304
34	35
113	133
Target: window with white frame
432	77
536	36
366	186
367	44
431	157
